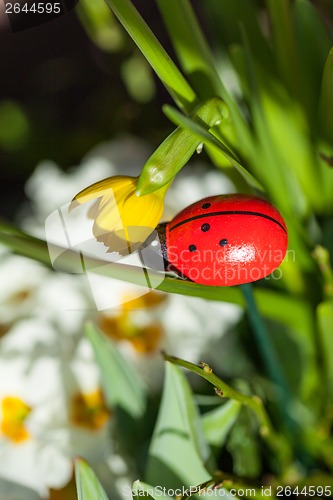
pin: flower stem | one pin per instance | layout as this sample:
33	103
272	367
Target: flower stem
276	442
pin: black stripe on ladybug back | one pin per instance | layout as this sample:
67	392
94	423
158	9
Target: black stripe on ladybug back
228	212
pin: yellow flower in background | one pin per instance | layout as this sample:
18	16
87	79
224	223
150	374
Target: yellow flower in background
14	413
122	219
88	410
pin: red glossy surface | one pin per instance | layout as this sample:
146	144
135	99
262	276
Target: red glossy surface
224	249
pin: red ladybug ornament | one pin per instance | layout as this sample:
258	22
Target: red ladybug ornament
225	240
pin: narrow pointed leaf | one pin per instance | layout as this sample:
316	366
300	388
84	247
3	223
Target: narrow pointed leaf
313	44
325	324
292	311
191	47
87	485
144	490
155	54
326	98
284	42
121	385
218	422
177	447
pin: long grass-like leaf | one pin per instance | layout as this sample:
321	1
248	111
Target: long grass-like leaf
121	385
191	47
87	484
326	99
218	422
207	137
175	453
284	42
155	54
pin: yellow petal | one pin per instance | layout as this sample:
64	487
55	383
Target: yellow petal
14	413
98	189
122	220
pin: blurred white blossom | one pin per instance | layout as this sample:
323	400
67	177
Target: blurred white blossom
51	404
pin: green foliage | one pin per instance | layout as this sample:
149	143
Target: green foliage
177	451
87	484
154	52
243	446
144	490
270	128
100	25
128	393
218	422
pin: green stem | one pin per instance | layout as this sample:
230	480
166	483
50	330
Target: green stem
155	54
273	440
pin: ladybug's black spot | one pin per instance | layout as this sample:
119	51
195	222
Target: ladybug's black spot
205	205
205	227
192	248
223	242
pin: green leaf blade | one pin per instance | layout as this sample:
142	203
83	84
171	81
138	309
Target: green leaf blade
218	422
87	484
325	326
121	385
155	54
208	138
326	99
141	489
191	47
176	451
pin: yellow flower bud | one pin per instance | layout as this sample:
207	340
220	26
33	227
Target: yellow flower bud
122	219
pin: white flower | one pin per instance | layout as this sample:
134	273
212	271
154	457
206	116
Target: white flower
51	407
20	279
49	381
186	327
29	289
65	301
14	491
